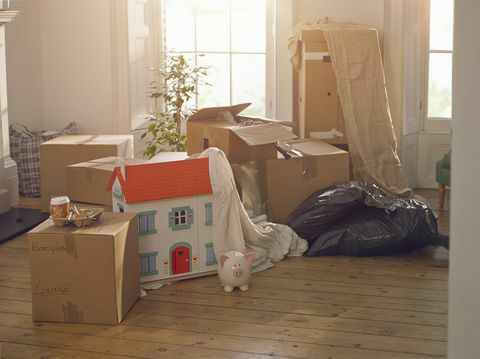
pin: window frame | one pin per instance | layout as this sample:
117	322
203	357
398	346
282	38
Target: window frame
149	256
269	57
172	216
438	124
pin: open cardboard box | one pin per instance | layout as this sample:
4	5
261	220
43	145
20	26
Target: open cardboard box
221	127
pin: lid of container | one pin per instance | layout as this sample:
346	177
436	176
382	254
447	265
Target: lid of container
59	200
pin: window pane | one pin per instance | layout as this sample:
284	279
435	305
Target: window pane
440	86
212	25
248	82
179	25
217	93
248	25
441	24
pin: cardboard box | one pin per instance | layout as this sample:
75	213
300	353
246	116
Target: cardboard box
319	107
287	183
85	275
220	127
87	182
57	154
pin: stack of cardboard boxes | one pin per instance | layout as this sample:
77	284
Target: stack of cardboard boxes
285	183
92	275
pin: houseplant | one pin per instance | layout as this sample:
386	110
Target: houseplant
176	85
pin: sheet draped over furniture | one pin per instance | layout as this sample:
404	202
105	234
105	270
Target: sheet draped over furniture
233	230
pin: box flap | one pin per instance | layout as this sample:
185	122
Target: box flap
263	134
306	148
89	140
269	120
212	113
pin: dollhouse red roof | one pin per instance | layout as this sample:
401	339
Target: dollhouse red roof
157	181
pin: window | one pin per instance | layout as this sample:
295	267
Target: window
211	260
180	218
148	264
208	214
229	36
146	222
440	48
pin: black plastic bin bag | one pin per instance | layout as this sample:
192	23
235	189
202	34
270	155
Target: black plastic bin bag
358	219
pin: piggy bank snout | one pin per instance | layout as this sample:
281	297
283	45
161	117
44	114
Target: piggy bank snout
237	272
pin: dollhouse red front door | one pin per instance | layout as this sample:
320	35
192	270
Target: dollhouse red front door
181	260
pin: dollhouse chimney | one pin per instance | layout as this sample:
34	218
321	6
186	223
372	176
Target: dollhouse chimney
120	162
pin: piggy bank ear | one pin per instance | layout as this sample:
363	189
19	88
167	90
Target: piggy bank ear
223	259
249	256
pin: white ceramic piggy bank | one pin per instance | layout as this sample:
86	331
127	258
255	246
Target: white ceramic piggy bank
235	270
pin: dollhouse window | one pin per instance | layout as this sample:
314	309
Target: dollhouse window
180	218
146	222
211	260
208	214
148	264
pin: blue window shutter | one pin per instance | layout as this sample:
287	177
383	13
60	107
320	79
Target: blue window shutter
208	214
150	222
211	260
171	219
142	224
152	264
190	216
144	264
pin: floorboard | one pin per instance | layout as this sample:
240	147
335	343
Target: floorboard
328	307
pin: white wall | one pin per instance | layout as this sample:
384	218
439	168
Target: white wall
24	74
368	12
60	66
464	313
77	64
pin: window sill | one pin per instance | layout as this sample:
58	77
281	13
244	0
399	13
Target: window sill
148	274
147	233
180	227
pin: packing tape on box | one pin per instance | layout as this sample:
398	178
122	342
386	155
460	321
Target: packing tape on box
71	313
88	170
91	138
309	163
70	247
209	138
310	169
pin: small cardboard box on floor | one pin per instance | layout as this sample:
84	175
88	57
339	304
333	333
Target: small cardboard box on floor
87	182
85	275
288	182
57	154
221	127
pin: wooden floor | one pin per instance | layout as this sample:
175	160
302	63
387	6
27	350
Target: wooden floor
329	307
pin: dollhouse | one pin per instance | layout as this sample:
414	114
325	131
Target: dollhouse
173	201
